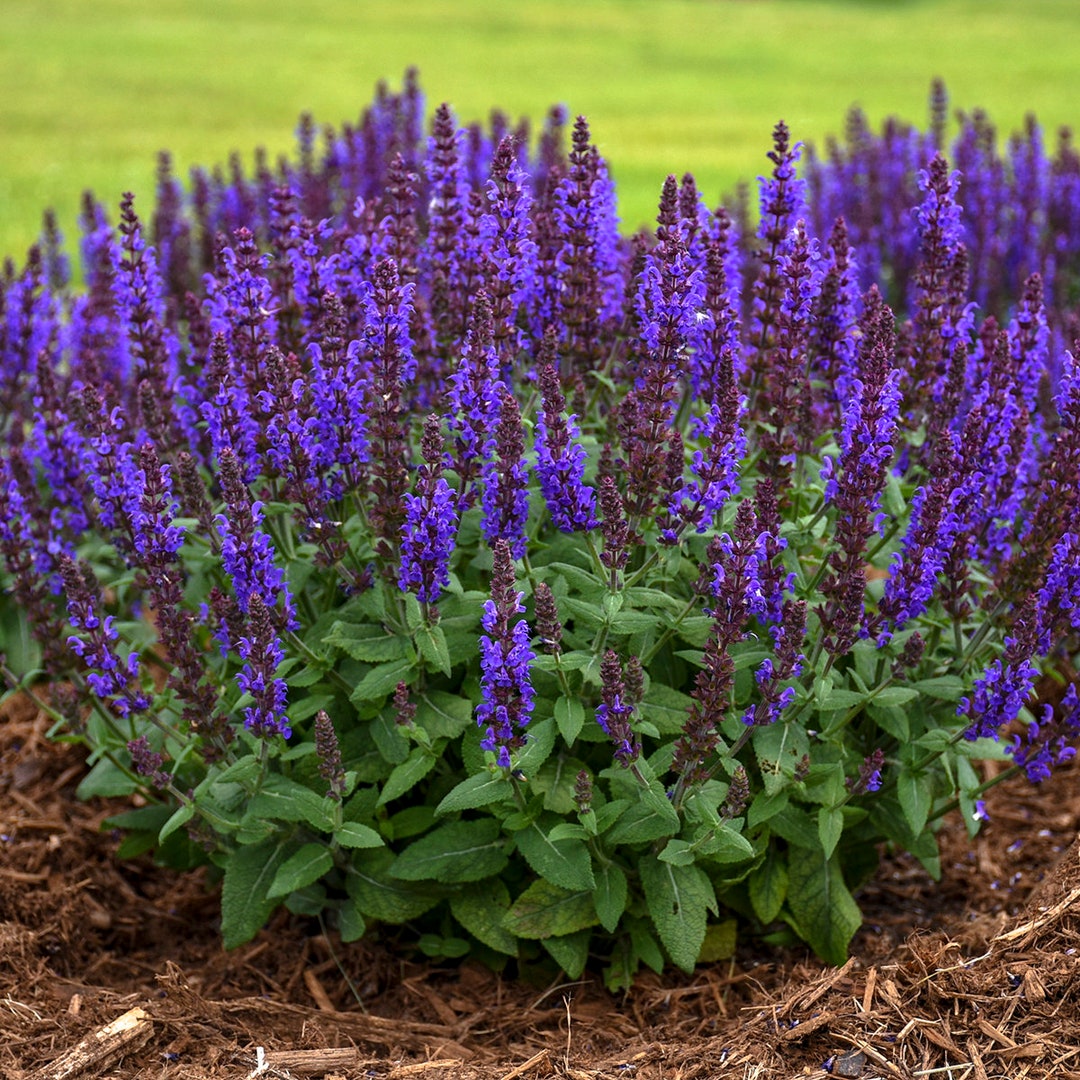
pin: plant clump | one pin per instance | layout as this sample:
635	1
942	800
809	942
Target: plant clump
433	559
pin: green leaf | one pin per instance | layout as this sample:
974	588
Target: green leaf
366	642
380	895
556	781
483	789
610	896
635	622
725	845
180	818
570	716
442	715
354	835
570	952
665	708
481	910
408	774
431	642
916	797
830	828
351	923
839	698
539	742
585	616
943	687
301	869
796	827
823	911
893	696
456	852
562	862
651	818
245	904
719	943
381	680
678	853
768	885
544	910
766	806
639	596
679	899
282	799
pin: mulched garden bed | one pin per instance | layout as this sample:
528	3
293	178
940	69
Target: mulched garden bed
112	969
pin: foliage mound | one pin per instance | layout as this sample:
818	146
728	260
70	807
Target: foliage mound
433	560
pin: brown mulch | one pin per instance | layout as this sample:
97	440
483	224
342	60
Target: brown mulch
111	969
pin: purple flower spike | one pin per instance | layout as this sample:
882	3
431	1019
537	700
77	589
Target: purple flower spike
262	653
614	712
560	461
505	657
427	539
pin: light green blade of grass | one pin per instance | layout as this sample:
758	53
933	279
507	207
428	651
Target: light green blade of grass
90	91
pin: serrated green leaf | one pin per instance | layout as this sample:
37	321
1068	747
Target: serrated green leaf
635	622
725	845
916	797
822	909
562	862
765	806
351	923
666	708
796	826
245	905
408	774
679	899
301	869
651	818
539	742
609	813
582	581
483	789
389	738
678	853
570	716
570	952
481	910
443	715
308	675
768	886
366	642
381	680
585	616
894	696
830	828
354	835
719	943
459	851
839	698
942	687
610	896
431	641
545	910
282	799
381	896
180	817
639	596
556	780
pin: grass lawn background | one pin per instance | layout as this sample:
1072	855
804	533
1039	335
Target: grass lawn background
90	91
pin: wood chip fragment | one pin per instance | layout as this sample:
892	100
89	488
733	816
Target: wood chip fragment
525	1066
101	1048
317	1062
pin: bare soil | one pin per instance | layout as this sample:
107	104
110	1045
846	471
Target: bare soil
115	969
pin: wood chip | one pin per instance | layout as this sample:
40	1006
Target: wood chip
316	1062
102	1048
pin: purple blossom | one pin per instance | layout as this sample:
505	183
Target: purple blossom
614	712
505	658
560	461
428	535
261	652
1049	741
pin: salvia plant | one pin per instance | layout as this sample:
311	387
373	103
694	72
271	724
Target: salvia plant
433	559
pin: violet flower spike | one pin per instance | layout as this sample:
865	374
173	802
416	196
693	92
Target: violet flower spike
505	659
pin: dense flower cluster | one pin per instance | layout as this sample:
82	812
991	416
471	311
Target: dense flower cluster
791	503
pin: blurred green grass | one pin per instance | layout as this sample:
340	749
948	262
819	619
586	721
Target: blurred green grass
90	91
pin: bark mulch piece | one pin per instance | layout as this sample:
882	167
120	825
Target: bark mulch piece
111	970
